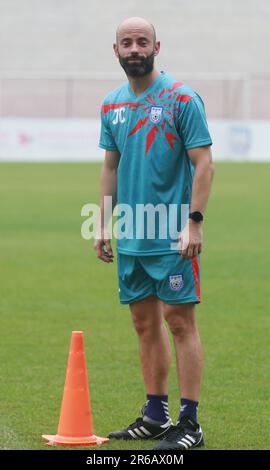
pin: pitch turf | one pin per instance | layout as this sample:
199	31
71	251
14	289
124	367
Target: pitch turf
52	283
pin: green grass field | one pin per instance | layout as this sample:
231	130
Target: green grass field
51	283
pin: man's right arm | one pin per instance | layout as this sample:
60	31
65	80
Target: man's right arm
108	187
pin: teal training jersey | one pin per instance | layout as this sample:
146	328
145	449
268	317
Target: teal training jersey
152	133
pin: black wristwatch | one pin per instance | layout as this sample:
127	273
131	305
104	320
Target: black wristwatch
196	216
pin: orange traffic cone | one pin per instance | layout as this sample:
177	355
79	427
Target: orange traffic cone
75	426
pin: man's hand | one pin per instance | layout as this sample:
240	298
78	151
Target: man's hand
191	240
104	250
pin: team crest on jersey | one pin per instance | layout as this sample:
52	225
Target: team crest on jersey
156	114
176	282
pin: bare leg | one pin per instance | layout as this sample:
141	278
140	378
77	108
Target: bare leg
154	344
189	353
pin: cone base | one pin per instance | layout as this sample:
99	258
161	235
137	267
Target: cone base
58	440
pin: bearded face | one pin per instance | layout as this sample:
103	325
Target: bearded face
136	47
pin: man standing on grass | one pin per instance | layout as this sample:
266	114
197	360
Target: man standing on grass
157	145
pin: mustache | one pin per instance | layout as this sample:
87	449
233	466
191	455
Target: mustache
137	57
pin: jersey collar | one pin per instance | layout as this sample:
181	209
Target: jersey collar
148	89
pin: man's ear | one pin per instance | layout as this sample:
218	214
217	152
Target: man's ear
115	48
157	48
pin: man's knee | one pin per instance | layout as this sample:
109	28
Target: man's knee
147	316
142	324
180	319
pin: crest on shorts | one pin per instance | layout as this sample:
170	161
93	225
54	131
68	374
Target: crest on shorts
156	114
176	282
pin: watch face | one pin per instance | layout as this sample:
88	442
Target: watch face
196	216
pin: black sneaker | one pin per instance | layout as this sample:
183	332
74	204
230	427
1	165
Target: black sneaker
183	436
143	428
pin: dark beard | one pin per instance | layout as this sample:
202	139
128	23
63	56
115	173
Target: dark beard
138	70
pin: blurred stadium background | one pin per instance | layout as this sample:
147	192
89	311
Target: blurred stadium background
56	65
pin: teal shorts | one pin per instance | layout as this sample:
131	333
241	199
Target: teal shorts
168	277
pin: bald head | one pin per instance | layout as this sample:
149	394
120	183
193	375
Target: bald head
135	24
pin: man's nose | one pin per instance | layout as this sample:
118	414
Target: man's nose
134	48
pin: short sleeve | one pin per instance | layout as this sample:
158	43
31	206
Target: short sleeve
193	127
106	140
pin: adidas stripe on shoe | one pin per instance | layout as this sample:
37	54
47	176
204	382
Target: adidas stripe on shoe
183	436
142	428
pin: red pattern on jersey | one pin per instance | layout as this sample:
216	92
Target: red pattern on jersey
161	93
163	124
170	138
151	134
138	126
184	98
150	138
175	85
107	107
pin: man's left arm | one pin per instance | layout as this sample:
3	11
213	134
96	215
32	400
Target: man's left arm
192	236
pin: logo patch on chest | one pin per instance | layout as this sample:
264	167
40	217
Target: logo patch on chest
155	114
